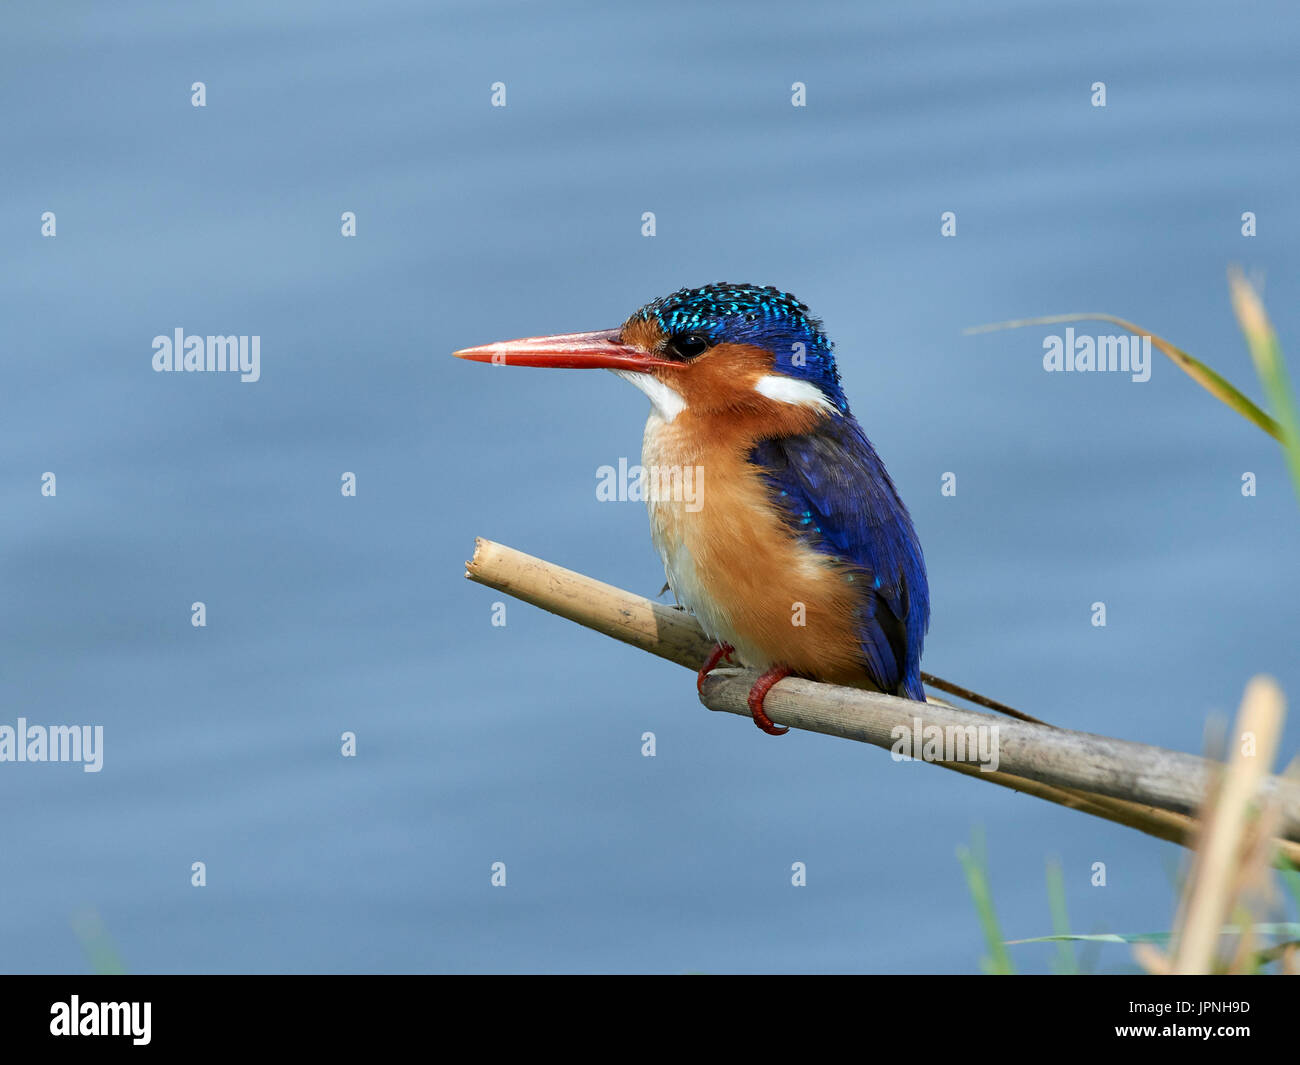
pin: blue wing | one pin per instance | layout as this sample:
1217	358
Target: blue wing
836	493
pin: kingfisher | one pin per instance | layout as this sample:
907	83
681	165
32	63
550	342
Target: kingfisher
794	551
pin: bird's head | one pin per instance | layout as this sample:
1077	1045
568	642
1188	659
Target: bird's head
716	349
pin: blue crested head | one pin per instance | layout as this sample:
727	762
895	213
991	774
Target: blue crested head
760	316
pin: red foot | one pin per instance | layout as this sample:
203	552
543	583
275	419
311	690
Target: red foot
759	692
719	652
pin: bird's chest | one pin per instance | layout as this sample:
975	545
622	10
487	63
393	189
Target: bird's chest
725	551
731	559
679	477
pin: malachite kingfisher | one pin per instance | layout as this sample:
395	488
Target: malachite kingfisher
798	557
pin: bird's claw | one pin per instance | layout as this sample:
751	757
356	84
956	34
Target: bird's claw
719	652
758	693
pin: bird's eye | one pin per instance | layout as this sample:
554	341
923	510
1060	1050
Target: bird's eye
688	345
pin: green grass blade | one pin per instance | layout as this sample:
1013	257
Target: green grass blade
1066	963
1283	928
1216	385
1275	953
1098	937
975	864
100	950
1266	353
1291	878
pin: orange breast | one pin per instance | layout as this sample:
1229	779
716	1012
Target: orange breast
732	560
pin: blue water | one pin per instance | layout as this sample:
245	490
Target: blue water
522	743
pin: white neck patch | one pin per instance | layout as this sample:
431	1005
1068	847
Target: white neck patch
793	391
666	401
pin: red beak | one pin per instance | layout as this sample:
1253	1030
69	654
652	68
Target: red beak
598	350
